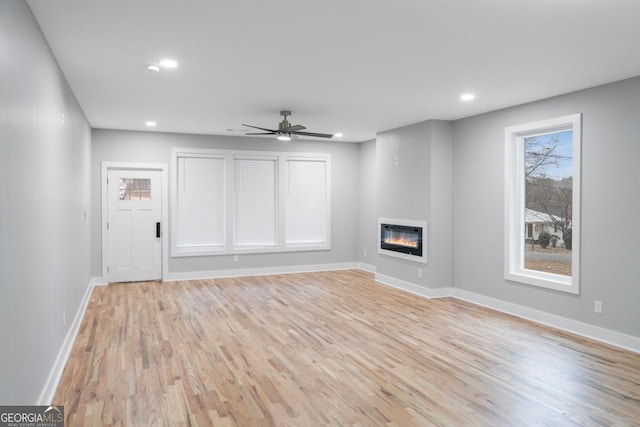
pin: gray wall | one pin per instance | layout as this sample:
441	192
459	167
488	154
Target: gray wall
367	206
440	269
155	147
610	265
44	195
418	188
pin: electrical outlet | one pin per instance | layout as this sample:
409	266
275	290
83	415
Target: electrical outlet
419	272
597	307
235	258
396	161
365	252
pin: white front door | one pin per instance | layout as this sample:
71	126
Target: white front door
134	225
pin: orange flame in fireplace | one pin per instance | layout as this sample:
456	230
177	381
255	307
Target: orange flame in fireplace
401	242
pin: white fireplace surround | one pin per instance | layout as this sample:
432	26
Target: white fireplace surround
407	223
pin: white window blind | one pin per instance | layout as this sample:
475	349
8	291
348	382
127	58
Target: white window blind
200	203
255	202
306	202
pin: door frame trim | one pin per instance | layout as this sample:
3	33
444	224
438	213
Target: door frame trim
163	168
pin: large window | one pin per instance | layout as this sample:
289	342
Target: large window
542	204
228	202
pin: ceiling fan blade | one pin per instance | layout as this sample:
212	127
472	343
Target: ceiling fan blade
260	133
317	135
293	128
256	127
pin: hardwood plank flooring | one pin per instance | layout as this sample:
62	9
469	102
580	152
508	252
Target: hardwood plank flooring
331	348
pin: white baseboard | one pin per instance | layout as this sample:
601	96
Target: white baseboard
99	281
366	267
261	271
412	287
49	389
586	330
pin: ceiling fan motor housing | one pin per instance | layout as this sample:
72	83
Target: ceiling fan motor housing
284	123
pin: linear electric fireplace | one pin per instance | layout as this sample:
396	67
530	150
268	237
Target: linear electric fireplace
403	238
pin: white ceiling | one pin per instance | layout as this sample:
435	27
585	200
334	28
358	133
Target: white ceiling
354	66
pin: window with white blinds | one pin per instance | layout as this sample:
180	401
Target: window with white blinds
229	202
200	203
306	202
255	219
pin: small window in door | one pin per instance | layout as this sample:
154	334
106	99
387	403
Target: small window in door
135	189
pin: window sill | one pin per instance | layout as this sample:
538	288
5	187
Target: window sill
544	280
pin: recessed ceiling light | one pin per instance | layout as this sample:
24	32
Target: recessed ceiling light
338	135
153	68
169	63
150	123
467	97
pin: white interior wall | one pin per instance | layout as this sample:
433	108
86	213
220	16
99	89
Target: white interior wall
155	147
413	182
45	211
367	247
610	251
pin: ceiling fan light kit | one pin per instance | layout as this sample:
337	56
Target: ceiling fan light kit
285	130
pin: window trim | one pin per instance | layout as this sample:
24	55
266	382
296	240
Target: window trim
229	157
514	270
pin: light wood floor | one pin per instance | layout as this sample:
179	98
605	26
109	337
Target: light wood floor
331	348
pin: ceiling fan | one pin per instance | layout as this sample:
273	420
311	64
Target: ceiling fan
286	130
